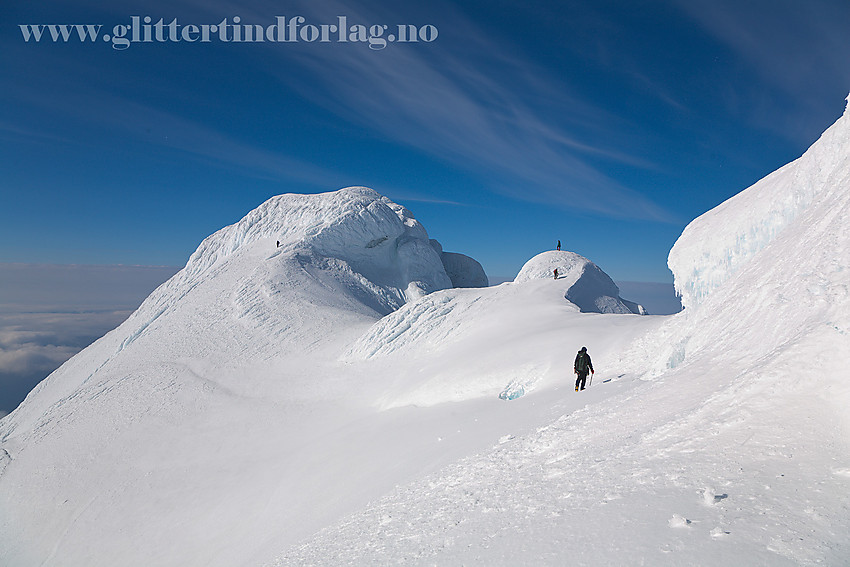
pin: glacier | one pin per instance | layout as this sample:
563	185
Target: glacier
335	399
726	440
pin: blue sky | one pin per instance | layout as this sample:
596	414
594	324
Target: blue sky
607	125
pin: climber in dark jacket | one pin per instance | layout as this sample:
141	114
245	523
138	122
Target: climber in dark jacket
582	366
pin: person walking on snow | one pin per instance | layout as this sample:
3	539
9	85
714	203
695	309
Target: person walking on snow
559	246
582	366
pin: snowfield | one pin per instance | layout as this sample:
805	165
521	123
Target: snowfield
339	400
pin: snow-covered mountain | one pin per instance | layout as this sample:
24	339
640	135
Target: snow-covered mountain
153	415
336	401
223	409
720	436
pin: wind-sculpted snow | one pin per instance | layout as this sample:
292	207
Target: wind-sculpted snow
245	325
435	317
376	237
347	256
464	342
570	267
312	403
373	248
591	289
720	438
720	242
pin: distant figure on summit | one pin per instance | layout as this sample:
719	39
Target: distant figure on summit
582	366
559	246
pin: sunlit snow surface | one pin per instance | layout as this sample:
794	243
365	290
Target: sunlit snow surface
332	402
732	447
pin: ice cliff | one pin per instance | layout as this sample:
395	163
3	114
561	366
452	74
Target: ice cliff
765	275
715	245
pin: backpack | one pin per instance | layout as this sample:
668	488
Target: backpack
581	363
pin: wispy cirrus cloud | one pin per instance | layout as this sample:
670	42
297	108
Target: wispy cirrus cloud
133	121
799	49
786	42
444	102
470	99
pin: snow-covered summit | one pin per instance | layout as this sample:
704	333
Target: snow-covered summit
350	250
715	245
587	286
375	236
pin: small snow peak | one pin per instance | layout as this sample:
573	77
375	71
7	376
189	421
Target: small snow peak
587	286
543	266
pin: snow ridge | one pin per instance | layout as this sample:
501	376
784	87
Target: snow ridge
220	357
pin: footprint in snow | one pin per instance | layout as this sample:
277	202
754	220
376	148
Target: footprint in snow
718	532
710	497
678	521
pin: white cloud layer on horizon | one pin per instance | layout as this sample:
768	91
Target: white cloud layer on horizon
51	312
32	345
26	351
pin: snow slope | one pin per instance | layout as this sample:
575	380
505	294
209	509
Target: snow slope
726	439
468	344
220	422
167	418
313	405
